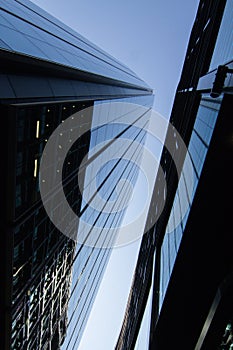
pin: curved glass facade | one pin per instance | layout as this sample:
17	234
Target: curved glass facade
99	228
28	30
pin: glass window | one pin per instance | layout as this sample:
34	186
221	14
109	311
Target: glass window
223	52
3	45
198	147
18	42
18	196
51	52
4	21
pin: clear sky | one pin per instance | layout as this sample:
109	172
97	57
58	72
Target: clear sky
149	36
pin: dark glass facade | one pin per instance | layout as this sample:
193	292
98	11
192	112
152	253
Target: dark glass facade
50	73
190	268
41	256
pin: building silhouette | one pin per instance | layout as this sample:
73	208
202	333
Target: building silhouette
50	73
181	295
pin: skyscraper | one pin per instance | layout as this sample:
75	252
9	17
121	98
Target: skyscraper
183	280
52	79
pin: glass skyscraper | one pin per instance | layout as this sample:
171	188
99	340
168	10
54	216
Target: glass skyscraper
53	77
183	278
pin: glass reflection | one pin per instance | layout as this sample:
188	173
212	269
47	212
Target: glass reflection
198	147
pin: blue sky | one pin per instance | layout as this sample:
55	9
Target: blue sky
150	37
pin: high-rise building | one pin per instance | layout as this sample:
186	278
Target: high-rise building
182	291
52	79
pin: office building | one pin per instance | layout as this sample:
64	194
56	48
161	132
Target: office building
52	76
182	292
